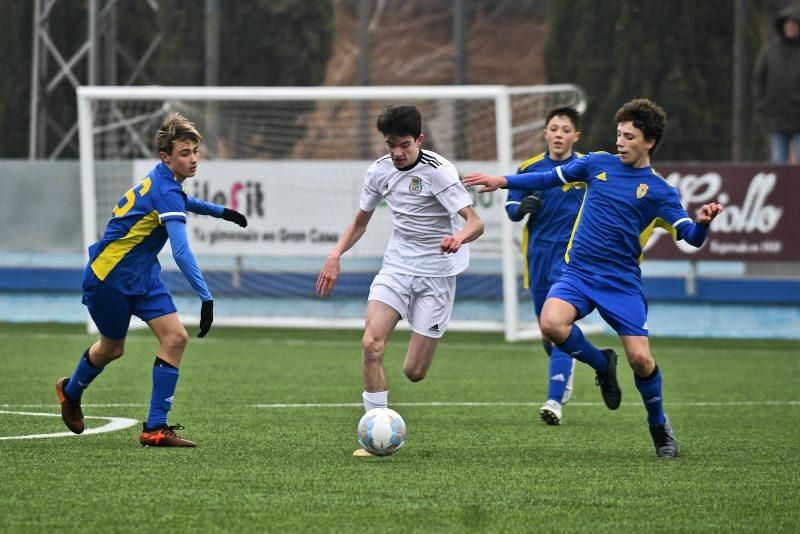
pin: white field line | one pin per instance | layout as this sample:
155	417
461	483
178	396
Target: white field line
355	344
83	405
467	404
291	342
114	423
523	404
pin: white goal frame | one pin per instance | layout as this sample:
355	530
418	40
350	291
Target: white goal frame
504	130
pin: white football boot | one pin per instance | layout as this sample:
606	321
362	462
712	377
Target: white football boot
550	413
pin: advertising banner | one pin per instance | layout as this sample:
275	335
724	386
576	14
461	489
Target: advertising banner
759	222
299	208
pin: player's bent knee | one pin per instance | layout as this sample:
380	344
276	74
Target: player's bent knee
414	374
372	347
107	351
176	340
553	330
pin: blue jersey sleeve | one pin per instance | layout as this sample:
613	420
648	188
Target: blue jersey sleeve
672	211
179	242
171	205
694	234
200	207
535	180
575	171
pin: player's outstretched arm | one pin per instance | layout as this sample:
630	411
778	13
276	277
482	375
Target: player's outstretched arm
535	181
330	269
473	229
185	259
490	182
201	207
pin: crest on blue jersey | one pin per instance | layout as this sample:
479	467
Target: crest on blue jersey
415	187
641	190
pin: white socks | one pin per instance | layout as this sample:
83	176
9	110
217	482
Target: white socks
378	399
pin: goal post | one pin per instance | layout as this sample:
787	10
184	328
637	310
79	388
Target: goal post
292	159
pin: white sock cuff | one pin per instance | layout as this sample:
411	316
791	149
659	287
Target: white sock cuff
377	399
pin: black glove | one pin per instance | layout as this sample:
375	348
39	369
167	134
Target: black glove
530	204
234	216
206	317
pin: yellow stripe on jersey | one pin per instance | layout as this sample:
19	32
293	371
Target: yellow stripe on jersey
577	217
105	262
526	279
528	162
644	236
569	185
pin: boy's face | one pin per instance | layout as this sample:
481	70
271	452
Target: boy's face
404	150
183	159
791	29
632	147
560	134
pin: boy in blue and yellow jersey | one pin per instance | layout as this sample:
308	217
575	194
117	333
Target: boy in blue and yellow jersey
544	240
625	200
121	279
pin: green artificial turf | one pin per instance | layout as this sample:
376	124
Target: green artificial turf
488	466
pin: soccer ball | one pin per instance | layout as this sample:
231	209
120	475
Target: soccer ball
381	431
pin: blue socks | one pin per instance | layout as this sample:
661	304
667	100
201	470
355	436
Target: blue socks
83	375
165	379
560	372
577	346
650	388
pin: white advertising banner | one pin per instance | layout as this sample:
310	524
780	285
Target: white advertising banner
300	208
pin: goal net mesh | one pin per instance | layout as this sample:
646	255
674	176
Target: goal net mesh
295	168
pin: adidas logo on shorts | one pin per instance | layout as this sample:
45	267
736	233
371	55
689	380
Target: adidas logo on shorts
434	328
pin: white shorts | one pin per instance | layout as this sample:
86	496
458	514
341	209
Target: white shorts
427	302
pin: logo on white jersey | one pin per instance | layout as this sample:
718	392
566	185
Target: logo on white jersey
434	328
415	187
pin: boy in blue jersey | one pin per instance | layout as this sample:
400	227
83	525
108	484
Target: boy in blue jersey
544	240
625	201
121	279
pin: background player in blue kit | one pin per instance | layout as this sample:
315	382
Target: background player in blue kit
625	201
121	279
551	216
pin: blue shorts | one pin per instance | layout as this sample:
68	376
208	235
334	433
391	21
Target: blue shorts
621	305
111	310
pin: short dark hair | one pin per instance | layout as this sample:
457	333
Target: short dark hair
400	121
565	111
646	116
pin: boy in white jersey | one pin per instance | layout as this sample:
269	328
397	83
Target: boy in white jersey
433	220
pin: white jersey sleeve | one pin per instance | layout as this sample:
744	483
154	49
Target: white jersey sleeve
370	193
448	189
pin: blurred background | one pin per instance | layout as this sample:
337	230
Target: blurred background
696	59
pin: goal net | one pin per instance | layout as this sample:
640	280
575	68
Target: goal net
292	159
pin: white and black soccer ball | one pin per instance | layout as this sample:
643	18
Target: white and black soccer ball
381	431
